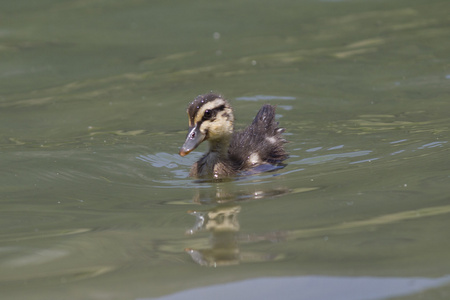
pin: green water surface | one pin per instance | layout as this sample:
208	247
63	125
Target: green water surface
95	202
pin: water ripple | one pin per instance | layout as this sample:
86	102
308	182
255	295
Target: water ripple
432	145
329	157
264	98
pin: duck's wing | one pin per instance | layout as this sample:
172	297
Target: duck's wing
261	142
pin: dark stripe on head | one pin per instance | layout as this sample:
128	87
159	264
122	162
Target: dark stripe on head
199	102
210	114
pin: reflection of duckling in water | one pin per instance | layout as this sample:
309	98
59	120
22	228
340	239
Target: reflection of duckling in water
211	118
224	248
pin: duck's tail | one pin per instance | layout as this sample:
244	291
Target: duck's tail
262	141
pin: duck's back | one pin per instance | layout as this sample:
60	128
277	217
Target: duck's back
260	143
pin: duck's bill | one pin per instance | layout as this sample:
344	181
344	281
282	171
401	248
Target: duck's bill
193	139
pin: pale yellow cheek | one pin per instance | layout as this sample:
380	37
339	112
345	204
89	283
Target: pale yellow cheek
220	128
205	126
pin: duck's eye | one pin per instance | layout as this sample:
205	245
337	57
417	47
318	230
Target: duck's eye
207	114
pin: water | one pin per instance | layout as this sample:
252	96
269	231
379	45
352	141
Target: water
96	203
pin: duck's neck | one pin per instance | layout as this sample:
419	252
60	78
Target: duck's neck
220	147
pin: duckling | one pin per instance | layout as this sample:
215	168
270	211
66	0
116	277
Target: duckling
231	153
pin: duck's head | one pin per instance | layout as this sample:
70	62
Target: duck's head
210	118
